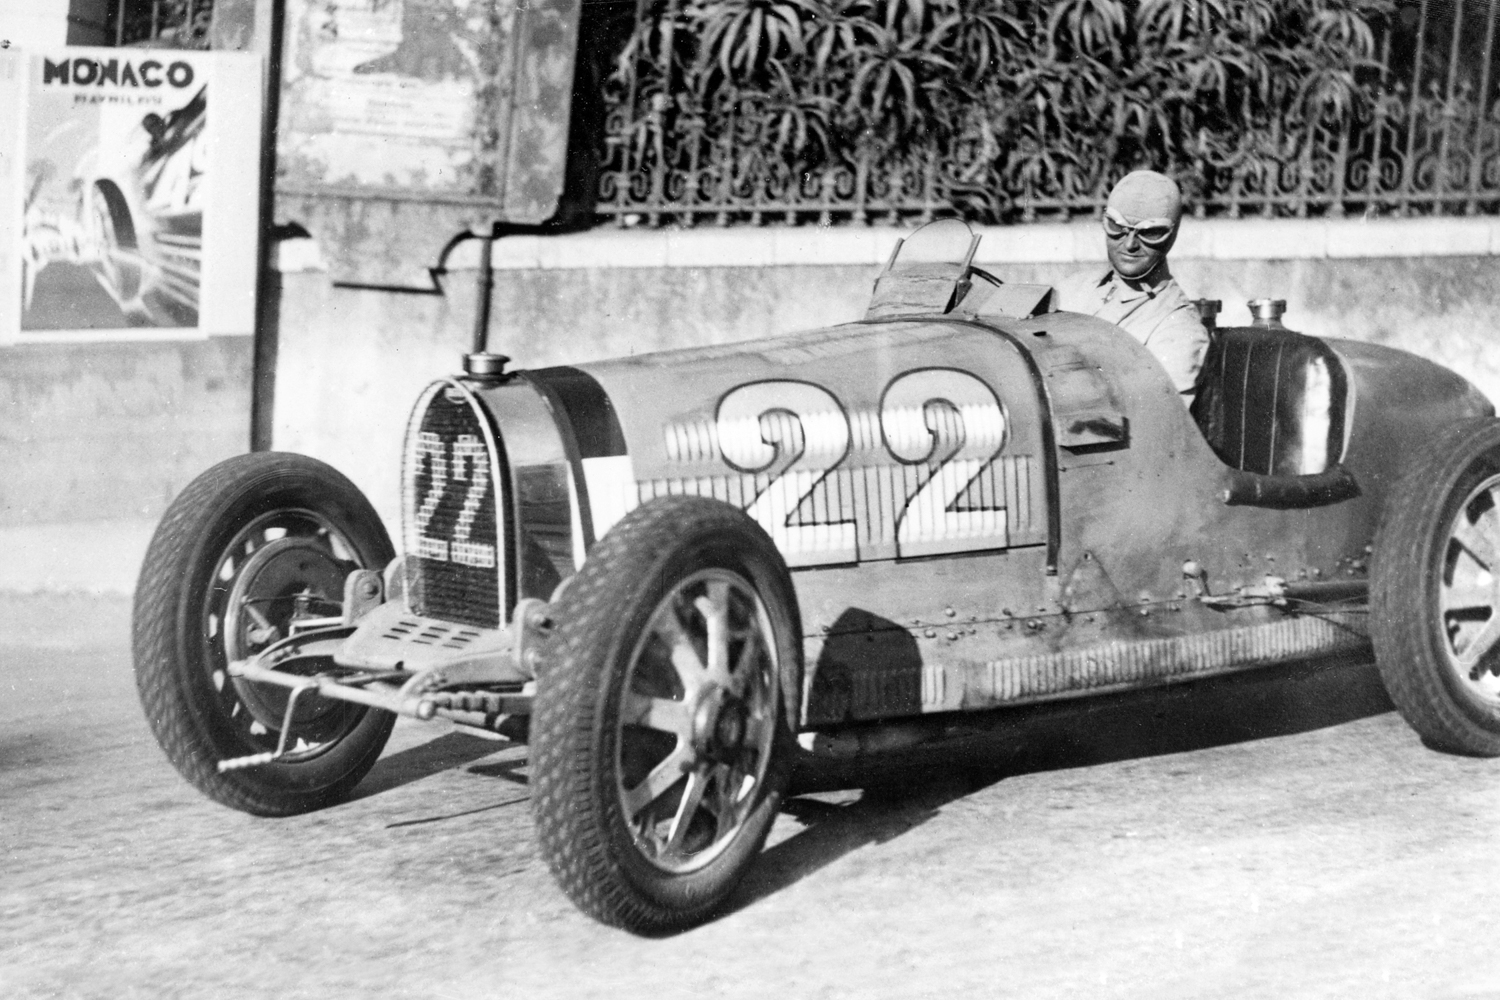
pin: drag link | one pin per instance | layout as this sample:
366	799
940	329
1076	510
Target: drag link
482	702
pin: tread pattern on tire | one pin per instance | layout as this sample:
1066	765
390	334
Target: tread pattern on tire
565	801
1407	642
162	617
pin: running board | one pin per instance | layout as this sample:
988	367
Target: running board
840	691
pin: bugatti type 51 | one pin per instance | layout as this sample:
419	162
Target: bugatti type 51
689	571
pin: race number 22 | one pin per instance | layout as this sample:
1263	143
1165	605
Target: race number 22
826	489
445	529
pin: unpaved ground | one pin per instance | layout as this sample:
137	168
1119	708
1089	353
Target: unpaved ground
1281	837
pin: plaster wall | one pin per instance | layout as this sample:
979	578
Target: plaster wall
37	24
112	431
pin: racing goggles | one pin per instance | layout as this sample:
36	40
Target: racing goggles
1154	233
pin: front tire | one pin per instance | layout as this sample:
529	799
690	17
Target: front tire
250	544
1435	592
660	736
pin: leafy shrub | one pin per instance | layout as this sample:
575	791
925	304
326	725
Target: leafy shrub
1020	103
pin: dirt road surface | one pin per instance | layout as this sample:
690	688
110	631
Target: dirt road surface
1279	836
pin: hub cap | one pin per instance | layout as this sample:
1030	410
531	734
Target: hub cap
1470	593
697	720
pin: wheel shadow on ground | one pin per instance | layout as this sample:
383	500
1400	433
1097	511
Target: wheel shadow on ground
425	760
885	811
446	752
906	788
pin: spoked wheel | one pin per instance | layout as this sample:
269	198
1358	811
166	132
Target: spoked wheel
1435	595
660	736
250	547
697	720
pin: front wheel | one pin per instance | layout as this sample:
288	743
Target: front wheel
661	733
1435	592
250	546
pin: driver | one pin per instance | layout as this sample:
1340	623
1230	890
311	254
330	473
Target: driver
1137	291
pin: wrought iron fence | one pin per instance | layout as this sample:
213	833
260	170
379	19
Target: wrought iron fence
710	181
1415	131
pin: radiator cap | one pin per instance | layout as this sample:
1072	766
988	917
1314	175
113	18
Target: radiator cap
485	366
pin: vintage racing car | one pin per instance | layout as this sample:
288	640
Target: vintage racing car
690	569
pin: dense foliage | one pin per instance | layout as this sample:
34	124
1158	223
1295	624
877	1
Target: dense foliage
1046	100
172	23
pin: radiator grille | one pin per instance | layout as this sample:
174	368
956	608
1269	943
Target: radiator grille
451	481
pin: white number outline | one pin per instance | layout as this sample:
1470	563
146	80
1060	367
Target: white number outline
953	465
927	521
431	451
781	411
467	460
471	463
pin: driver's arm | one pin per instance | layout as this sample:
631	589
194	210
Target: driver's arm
1179	342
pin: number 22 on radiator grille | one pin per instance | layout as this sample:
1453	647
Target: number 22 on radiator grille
445	531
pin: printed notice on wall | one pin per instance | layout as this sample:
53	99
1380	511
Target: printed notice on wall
130	193
381	93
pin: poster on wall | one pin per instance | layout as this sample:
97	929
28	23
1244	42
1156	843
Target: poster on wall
383	95
132	196
404	122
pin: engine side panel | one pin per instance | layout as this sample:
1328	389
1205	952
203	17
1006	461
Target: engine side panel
859	444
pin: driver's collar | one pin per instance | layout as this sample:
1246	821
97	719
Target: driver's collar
1161	275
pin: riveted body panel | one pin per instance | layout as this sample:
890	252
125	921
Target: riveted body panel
1078	488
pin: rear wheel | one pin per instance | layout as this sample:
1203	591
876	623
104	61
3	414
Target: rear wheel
1435	592
251	545
661	733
